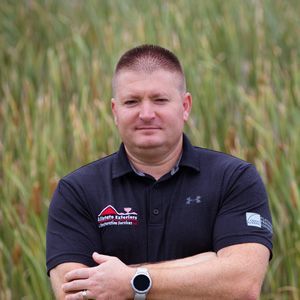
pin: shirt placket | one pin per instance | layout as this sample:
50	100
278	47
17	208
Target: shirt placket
155	223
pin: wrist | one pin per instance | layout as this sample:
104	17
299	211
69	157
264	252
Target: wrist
128	292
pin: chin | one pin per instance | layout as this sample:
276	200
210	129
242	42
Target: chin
147	143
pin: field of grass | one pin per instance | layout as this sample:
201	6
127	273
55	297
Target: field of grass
242	62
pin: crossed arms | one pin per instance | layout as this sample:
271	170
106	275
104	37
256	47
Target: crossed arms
234	272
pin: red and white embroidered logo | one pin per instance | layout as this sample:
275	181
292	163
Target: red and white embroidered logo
109	216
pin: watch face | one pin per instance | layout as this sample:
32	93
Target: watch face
141	282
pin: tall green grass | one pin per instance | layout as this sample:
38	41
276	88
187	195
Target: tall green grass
242	62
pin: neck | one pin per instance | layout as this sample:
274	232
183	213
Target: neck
155	163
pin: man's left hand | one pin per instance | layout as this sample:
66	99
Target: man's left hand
109	280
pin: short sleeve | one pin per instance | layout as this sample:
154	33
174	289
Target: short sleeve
72	234
244	215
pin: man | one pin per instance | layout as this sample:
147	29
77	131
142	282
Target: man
159	218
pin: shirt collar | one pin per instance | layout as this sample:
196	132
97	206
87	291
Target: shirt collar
122	166
189	155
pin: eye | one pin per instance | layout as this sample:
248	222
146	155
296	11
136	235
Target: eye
130	102
161	100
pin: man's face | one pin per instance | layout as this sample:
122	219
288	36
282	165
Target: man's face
150	109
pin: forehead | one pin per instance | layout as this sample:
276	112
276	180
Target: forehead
135	82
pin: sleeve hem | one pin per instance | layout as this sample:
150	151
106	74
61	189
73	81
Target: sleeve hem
65	258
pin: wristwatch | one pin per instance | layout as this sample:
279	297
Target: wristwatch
141	283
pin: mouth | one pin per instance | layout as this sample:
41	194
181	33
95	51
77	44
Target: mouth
148	128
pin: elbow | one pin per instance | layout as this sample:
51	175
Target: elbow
251	296
245	288
242	291
251	292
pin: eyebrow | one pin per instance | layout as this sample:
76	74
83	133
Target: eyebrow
158	95
152	96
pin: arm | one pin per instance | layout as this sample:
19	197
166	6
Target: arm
57	277
182	262
237	272
57	274
111	278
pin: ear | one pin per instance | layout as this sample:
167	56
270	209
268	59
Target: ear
114	110
187	106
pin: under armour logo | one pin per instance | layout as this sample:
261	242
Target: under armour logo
190	200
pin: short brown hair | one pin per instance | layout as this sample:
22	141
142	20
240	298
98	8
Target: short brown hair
149	58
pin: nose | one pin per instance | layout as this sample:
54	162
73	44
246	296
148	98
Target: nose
147	112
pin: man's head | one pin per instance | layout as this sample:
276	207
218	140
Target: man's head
150	104
149	58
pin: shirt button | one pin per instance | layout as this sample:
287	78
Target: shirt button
155	211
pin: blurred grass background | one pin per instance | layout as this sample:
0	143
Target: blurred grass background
241	60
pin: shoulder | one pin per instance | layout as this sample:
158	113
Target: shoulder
100	167
227	169
213	159
208	160
83	183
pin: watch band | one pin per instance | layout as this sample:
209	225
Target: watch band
138	296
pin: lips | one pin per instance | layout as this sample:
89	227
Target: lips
147	128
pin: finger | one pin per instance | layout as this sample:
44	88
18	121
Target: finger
82	273
100	258
74	286
82	295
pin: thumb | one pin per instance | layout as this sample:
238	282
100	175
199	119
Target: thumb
99	258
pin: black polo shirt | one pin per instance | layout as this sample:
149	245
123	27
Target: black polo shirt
208	201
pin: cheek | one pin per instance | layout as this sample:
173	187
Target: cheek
179	115
123	120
